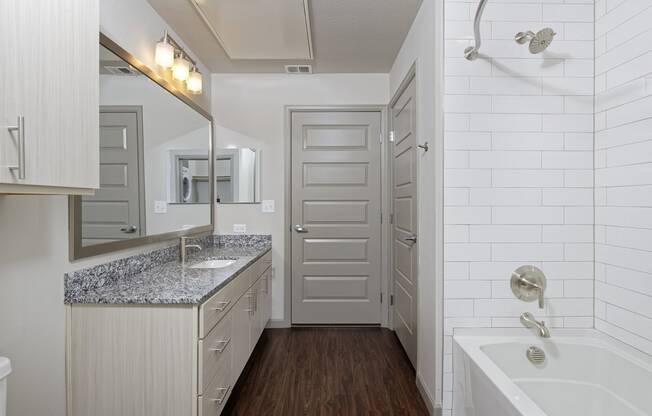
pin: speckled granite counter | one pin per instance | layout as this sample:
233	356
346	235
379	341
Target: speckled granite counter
158	277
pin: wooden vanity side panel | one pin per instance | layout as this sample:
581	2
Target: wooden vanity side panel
132	360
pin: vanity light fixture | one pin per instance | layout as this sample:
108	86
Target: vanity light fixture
170	55
194	82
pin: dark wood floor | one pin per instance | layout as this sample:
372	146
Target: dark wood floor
327	371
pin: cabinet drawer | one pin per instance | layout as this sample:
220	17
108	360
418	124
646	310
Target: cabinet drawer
215	308
214	350
211	311
261	265
212	401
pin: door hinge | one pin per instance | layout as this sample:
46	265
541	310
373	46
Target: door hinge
391	300
381	137
381	217
391	218
381	297
391	136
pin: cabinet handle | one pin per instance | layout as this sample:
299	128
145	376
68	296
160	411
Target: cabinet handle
20	129
221	399
223	347
250	308
222	306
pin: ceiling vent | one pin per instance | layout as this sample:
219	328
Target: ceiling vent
121	70
298	69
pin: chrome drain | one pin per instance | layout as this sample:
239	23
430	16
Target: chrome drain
536	355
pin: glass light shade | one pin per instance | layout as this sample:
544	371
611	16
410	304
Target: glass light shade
164	55
181	68
194	83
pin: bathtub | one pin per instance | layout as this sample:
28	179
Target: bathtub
585	373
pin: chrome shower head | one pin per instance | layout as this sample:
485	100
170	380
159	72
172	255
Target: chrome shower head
539	41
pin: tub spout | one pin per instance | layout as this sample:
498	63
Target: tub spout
528	320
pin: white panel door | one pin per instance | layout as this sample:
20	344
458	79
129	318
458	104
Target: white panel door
116	211
404	232
336	217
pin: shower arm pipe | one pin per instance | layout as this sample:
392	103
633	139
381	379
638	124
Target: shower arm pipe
471	53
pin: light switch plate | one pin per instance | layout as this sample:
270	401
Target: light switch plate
268	205
239	228
160	207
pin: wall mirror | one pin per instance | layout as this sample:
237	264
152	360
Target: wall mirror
237	175
156	180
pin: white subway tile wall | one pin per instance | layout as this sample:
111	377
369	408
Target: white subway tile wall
519	163
623	175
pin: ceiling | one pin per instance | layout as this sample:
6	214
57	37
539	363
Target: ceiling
348	36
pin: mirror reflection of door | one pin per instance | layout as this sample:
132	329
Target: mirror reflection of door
116	211
225	177
237	176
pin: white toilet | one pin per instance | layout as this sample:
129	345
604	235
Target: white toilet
5	369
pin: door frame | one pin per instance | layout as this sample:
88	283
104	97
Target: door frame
287	235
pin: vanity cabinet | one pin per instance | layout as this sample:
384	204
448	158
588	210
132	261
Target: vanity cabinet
49	96
166	360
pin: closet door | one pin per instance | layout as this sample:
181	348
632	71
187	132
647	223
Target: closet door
8	80
53	69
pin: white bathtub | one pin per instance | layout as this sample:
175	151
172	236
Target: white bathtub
585	373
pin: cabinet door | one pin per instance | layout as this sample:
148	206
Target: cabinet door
255	320
54	66
242	312
10	48
266	299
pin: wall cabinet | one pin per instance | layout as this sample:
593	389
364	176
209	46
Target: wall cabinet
166	360
49	87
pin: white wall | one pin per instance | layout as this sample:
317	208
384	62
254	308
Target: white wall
518	166
623	176
34	255
249	110
419	48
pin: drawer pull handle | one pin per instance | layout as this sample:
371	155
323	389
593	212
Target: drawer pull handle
250	295
19	128
220	400
223	346
222	306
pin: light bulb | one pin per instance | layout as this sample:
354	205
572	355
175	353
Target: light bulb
164	55
180	68
194	83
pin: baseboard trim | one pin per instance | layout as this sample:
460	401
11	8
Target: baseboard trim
278	323
430	404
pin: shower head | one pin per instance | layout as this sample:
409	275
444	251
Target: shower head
539	41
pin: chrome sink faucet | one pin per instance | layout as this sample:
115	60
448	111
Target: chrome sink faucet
528	320
184	246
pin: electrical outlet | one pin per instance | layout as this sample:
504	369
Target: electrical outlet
239	228
160	207
268	205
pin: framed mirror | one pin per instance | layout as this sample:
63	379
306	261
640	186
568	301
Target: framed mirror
237	175
156	170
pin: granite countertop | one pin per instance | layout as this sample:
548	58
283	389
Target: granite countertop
164	281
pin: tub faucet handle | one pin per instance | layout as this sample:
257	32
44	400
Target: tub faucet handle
528	284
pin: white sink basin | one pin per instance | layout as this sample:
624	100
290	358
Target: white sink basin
213	264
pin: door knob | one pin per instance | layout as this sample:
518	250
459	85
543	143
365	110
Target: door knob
299	228
412	239
129	229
